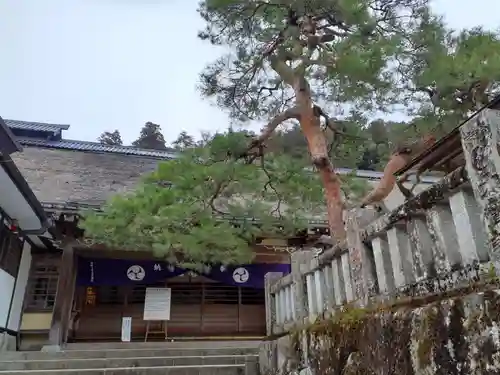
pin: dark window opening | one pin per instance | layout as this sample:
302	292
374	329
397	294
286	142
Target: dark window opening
251	296
220	294
109	295
42	286
187	294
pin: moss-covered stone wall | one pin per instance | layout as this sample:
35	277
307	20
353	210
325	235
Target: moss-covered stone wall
453	335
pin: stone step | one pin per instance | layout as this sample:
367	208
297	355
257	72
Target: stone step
186	344
161	370
124	353
117	362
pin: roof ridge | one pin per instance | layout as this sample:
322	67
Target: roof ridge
12	123
90	146
104	144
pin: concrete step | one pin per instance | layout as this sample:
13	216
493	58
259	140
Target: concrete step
199	344
117	362
124	353
161	370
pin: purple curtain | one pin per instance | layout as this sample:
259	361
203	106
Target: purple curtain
102	271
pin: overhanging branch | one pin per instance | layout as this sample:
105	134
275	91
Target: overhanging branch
249	156
292	113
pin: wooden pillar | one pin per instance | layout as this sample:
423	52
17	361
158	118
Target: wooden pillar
64	297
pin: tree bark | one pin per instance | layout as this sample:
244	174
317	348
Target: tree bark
318	149
398	160
388	180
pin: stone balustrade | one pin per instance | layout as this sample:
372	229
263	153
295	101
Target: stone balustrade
433	247
406	252
433	242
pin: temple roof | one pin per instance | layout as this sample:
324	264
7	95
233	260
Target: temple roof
36	126
62	171
39	134
72	145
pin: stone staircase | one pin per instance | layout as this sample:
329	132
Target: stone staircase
170	358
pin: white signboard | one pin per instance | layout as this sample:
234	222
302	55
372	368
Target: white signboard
157	304
126	329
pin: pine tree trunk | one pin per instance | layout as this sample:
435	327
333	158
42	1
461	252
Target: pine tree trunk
318	149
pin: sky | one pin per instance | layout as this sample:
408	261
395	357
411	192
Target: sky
101	65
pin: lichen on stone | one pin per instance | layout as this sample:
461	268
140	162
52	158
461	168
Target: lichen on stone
452	335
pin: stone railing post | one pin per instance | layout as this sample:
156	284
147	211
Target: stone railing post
268	349
269	279
299	261
362	272
480	141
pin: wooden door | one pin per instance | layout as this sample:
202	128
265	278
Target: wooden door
100	318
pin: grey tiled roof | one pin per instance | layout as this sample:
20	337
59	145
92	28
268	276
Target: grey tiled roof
68	144
36	126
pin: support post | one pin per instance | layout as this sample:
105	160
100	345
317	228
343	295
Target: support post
64	297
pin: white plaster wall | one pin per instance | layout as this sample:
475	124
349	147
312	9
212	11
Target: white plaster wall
19	293
6	289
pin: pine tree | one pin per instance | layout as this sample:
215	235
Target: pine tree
289	58
286	55
201	207
111	138
150	137
287	61
183	141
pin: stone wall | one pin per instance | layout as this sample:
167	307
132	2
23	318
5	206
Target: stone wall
456	335
91	177
83	177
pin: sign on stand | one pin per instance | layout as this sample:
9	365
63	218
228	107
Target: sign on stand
157	308
126	329
157	304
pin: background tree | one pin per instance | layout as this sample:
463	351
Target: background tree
111	138
458	70
151	137
183	141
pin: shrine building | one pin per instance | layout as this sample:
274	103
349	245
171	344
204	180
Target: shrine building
21	217
76	293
